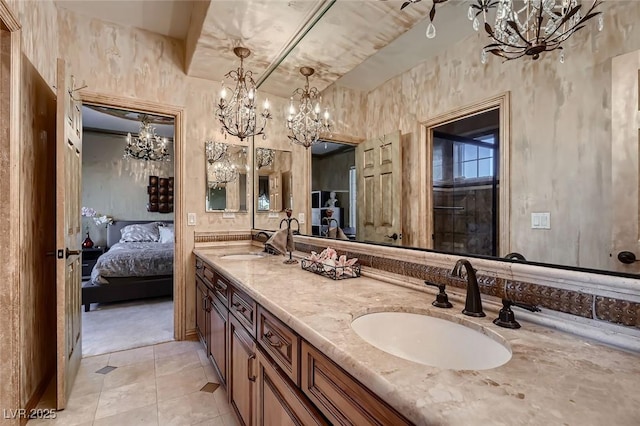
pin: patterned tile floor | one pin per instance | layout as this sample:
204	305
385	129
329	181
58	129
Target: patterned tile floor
165	384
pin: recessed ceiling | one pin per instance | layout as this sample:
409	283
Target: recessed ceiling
358	43
113	120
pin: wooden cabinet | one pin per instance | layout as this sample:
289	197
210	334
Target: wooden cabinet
218	325
280	402
273	377
202	302
339	396
242	372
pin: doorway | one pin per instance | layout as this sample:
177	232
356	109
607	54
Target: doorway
128	229
465	183
466	177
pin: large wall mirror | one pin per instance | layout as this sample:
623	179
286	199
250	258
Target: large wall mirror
227	177
543	175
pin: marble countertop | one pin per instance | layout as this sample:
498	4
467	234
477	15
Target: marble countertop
552	378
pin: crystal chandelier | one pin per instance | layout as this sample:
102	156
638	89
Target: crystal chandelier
264	157
147	145
431	29
238	114
531	27
224	172
305	123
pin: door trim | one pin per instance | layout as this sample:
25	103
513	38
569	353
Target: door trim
179	262
502	102
10	286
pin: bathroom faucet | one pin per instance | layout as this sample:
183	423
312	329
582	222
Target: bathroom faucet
473	305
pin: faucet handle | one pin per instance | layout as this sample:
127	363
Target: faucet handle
506	317
442	299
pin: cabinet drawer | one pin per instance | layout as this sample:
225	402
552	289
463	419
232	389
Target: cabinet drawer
221	289
243	308
208	274
279	341
339	396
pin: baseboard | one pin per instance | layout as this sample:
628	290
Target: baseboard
37	394
192	335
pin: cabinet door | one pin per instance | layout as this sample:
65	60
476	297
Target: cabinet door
275	194
201	312
242	376
279	402
218	337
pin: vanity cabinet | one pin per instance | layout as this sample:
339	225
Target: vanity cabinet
273	376
281	403
242	376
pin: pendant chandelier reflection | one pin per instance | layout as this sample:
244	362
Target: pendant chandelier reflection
147	146
531	27
238	115
306	122
224	172
215	151
264	157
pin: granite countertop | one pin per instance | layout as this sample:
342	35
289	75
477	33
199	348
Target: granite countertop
552	378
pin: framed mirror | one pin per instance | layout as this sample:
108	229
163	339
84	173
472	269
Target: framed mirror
273	180
227	177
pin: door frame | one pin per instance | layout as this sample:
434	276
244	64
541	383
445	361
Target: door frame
10	269
179	261
501	101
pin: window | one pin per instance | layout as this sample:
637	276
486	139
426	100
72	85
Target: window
473	160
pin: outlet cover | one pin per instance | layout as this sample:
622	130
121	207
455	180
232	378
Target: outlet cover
191	219
301	218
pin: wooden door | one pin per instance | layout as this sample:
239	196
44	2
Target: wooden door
625	159
218	325
279	402
68	235
379	189
242	377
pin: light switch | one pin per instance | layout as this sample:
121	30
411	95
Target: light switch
541	220
301	218
535	220
191	219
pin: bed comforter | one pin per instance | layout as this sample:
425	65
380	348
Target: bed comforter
134	260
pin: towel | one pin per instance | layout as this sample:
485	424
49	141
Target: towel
290	244
337	234
278	242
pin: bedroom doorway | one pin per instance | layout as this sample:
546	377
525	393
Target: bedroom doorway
128	189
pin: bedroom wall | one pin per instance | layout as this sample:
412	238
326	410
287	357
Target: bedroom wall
116	186
36	172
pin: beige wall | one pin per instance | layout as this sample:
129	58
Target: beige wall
116	186
560	124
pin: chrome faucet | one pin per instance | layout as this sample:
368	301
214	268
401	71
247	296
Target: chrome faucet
473	305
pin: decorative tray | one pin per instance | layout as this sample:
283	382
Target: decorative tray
331	271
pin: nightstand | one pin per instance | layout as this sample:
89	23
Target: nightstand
89	258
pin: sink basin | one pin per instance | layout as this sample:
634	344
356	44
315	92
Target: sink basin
243	256
431	341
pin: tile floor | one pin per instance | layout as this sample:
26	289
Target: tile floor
152	385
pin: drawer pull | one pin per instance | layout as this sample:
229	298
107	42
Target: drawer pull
249	369
277	344
239	307
219	289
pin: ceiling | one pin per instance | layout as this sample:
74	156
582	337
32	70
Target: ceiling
358	43
113	120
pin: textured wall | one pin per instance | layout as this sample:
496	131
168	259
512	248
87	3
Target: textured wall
560	124
116	186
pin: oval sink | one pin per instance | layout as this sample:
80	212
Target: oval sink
431	341
243	256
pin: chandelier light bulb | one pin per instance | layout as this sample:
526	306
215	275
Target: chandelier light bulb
266	103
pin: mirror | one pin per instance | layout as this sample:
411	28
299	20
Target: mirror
562	153
273	180
226	169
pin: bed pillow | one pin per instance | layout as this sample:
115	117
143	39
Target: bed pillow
140	232
166	234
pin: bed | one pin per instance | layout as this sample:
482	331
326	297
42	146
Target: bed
133	269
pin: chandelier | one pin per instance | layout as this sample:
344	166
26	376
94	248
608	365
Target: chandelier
531	27
224	172
305	123
264	157
215	151
147	145
431	29
238	114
